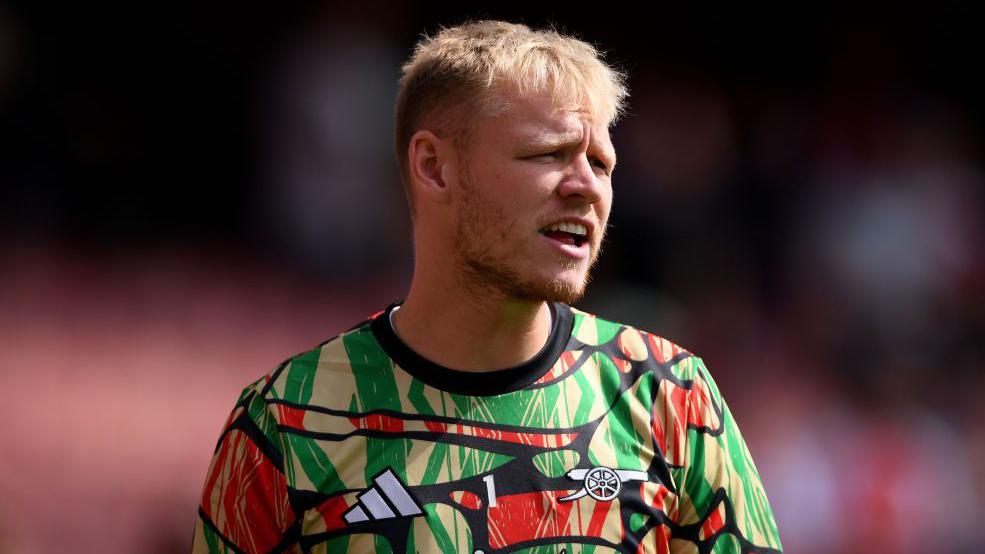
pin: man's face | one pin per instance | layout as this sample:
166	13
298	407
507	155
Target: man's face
524	171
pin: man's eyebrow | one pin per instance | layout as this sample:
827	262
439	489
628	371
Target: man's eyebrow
551	139
555	140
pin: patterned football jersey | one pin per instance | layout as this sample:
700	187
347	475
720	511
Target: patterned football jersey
610	439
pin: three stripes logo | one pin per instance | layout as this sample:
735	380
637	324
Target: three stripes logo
387	499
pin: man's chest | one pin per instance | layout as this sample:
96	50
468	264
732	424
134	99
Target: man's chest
489	483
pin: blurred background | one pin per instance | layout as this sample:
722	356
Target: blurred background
190	194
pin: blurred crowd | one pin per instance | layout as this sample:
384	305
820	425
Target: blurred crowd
189	202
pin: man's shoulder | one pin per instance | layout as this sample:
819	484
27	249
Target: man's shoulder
635	343
304	377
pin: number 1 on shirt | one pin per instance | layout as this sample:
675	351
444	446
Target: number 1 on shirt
490	489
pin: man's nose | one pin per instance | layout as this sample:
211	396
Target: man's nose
581	180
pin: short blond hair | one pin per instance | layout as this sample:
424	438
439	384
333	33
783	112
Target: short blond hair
452	76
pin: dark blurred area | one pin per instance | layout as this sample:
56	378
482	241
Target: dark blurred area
191	193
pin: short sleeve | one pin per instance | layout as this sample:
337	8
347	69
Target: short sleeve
723	503
244	505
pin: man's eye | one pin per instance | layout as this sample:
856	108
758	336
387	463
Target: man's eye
597	162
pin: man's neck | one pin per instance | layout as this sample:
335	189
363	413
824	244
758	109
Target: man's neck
469	335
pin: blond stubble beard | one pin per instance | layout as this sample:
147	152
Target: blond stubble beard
486	272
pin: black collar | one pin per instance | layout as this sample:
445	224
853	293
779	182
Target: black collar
476	383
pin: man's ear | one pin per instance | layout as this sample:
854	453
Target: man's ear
431	162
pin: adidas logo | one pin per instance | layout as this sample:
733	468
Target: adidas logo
388	499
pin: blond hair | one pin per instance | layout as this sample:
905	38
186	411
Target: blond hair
454	74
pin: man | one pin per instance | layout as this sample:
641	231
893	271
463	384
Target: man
483	413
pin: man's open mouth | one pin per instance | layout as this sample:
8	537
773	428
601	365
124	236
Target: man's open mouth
567	233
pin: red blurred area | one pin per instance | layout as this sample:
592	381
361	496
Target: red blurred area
118	375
